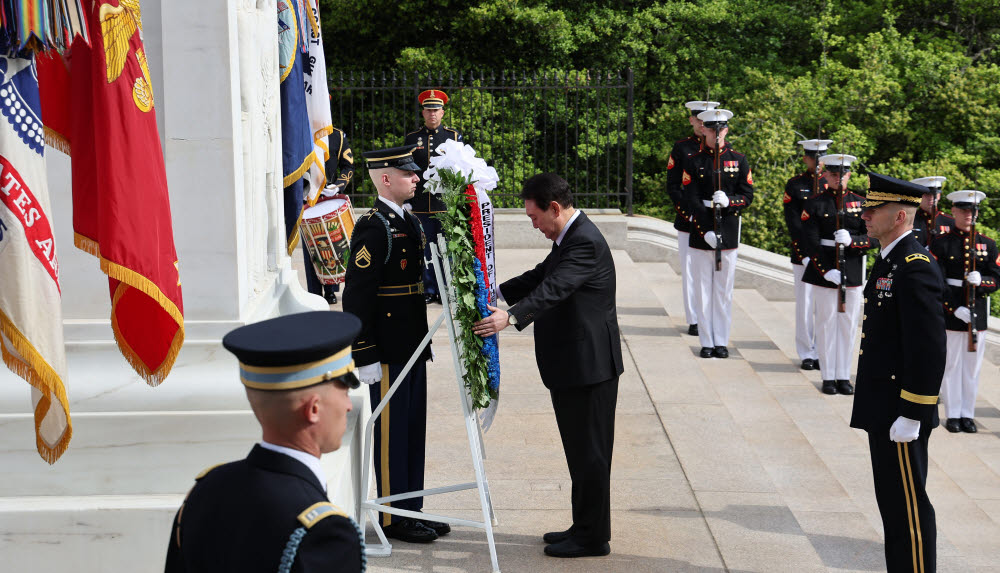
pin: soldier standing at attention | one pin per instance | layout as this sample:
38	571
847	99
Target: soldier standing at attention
717	179
899	372
797	192
385	290
683	149
425	205
953	253
836	331
930	222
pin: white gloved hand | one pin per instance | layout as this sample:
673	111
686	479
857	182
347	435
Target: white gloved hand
832	275
711	239
974	278
904	430
805	261
370	373
843	237
331	190
721	198
964	314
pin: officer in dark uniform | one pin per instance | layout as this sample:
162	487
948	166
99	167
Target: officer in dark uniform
930	221
952	251
835	331
385	290
423	204
683	149
269	512
797	191
900	366
341	163
732	189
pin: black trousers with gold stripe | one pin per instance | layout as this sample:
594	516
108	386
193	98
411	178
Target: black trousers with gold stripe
900	472
400	436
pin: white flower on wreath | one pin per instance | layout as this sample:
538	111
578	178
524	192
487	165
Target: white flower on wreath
460	157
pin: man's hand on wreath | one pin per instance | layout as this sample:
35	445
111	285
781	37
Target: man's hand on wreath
493	323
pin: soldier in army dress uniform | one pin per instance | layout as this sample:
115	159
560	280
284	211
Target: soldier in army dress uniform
384	289
269	512
899	372
797	192
732	189
683	149
952	251
835	331
423	204
930	221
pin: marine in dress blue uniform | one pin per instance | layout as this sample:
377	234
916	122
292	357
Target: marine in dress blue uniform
384	288
423	204
683	149
900	366
269	512
930	221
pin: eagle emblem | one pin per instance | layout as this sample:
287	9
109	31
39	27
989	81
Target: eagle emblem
118	25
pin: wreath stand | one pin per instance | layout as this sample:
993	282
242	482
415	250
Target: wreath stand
369	508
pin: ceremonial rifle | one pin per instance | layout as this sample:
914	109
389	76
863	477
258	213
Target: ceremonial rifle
970	289
841	262
932	228
716	208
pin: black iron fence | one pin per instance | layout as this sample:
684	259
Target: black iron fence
577	124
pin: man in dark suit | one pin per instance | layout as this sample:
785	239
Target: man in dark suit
900	367
269	512
570	297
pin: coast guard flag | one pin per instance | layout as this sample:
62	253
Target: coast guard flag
30	307
121	209
296	134
317	103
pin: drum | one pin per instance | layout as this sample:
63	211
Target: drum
326	229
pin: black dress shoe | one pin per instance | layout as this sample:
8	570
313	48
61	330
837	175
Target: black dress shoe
439	527
432	298
808	364
410	530
693	329
557	536
721	352
968	425
331	297
570	548
953	425
706	352
844	387
816	364
829	387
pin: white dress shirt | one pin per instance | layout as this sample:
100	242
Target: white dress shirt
565	228
885	250
310	461
396	208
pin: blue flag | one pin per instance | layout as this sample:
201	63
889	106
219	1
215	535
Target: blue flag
296	132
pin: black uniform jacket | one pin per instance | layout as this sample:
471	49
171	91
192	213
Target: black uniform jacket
797	191
427	142
699	183
925	232
341	160
675	169
819	221
384	286
952	253
902	355
570	297
243	516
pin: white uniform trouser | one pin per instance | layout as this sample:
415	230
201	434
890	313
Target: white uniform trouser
836	332
687	280
805	333
961	375
713	295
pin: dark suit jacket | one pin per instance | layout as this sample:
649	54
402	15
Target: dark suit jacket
570	297
241	516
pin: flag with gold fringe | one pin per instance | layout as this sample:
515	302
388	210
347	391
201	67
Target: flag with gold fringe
31	336
296	135
317	103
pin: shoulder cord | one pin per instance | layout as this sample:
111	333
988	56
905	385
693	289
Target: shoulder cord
388	236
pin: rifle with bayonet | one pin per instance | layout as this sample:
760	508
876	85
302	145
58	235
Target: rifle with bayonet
716	208
841	260
970	289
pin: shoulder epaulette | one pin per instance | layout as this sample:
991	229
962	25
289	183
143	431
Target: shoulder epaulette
917	257
318	512
206	471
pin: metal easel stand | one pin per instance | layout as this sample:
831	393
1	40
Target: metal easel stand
369	508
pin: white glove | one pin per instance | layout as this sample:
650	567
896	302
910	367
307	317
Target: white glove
721	198
805	261
330	190
843	237
974	278
904	430
711	239
962	313
832	275
370	373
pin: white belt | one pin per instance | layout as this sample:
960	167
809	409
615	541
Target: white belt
955	282
828	242
706	202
